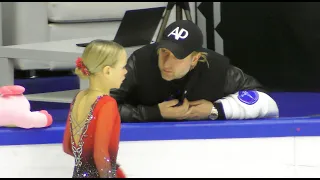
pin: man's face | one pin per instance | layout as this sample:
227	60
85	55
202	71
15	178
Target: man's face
172	68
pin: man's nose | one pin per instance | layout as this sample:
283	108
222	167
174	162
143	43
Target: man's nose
167	62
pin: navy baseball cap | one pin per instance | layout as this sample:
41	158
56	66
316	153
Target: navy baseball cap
182	38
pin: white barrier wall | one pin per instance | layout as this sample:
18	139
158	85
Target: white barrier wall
256	157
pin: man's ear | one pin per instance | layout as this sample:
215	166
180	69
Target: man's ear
195	59
107	70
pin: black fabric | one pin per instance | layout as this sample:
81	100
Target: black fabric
182	37
143	89
219	107
277	42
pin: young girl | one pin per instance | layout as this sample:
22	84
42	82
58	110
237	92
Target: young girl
93	126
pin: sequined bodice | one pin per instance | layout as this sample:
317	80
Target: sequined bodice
85	166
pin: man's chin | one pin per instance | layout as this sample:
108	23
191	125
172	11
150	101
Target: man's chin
167	78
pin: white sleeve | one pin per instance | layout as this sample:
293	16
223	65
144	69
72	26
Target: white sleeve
249	105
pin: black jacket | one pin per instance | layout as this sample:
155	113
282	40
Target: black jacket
143	89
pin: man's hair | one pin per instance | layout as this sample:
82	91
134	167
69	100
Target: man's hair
203	57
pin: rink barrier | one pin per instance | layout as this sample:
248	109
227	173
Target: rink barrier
282	127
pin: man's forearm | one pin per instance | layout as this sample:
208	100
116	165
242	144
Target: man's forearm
139	113
249	104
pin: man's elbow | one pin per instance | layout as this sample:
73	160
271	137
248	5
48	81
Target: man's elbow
271	109
125	113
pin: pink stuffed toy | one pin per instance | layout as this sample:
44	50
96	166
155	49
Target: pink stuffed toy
15	110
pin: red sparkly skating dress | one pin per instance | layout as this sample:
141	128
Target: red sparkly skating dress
96	152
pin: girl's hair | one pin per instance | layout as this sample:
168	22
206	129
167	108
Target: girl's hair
97	55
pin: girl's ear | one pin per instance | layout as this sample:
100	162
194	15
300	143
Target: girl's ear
107	70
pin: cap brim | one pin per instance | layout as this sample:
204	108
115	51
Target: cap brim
177	50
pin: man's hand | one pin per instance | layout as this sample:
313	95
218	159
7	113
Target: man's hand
168	111
199	109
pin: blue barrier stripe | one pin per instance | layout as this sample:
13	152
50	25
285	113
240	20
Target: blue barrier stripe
307	127
178	131
48	84
207	132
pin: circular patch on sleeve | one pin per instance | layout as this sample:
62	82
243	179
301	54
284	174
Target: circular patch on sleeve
248	97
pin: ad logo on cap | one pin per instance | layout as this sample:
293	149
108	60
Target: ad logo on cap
179	34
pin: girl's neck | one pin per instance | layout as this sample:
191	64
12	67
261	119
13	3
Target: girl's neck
98	85
103	91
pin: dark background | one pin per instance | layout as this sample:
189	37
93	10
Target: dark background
276	42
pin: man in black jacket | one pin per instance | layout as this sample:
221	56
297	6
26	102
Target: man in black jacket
178	79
